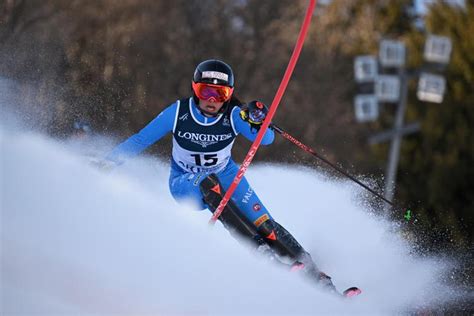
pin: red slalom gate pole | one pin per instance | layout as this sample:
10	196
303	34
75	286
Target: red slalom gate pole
276	101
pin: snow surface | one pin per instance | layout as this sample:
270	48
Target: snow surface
79	241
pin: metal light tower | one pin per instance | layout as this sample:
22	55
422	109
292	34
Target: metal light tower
393	88
393	54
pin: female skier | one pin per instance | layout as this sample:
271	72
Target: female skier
204	127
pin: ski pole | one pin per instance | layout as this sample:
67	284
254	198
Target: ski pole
266	122
312	152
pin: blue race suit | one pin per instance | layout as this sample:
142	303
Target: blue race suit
201	145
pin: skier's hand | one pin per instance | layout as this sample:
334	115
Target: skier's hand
254	113
102	164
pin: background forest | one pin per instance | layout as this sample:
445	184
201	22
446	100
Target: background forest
117	64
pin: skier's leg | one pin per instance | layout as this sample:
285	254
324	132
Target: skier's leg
231	217
259	228
197	188
278	238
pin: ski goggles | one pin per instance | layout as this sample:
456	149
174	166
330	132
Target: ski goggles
212	92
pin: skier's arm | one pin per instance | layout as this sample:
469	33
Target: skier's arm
151	133
248	130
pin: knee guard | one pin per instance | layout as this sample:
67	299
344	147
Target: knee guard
231	217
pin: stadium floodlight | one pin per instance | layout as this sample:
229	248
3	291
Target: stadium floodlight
394	88
438	49
392	53
431	88
387	88
366	108
365	68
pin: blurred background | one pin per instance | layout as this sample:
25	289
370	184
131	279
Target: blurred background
109	67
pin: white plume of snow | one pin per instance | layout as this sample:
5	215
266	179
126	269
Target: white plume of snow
78	241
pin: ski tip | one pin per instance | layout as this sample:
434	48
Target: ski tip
351	292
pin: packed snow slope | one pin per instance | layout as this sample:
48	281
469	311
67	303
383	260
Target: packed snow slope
79	241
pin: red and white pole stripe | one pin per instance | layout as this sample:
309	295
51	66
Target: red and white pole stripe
271	112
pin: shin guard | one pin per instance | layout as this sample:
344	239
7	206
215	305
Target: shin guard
280	239
236	223
286	245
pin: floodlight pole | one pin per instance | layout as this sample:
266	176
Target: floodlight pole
399	131
394	155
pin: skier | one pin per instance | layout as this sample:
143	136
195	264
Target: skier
204	127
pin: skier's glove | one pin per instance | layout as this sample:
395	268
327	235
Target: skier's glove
254	113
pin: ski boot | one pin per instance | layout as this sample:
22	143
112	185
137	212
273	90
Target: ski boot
284	244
